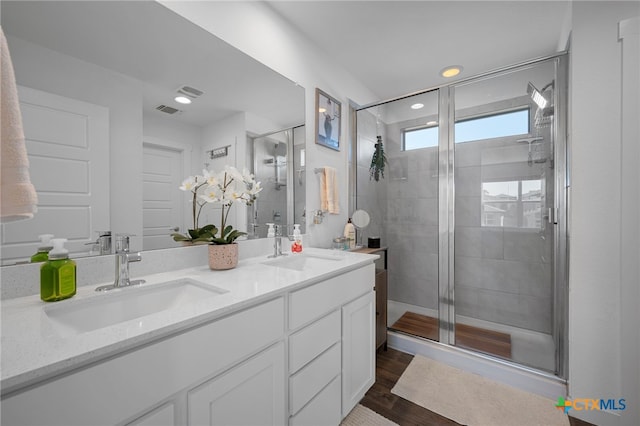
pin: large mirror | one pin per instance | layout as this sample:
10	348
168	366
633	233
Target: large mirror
109	145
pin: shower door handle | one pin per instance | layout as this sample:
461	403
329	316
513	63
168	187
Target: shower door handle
551	215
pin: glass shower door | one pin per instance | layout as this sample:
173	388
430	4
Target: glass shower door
404	206
504	226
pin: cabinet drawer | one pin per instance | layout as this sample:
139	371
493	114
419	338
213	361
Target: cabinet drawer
323	410
306	383
316	300
312	340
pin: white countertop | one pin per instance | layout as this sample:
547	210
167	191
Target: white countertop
34	348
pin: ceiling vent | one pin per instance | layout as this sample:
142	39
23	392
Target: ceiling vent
190	92
167	109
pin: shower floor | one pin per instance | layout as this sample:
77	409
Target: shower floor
467	336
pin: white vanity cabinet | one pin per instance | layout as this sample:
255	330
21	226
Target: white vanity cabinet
331	348
303	355
147	385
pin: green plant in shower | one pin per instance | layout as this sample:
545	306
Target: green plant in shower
378	161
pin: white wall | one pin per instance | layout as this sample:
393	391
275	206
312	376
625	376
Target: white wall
257	125
255	29
229	131
630	219
595	316
179	133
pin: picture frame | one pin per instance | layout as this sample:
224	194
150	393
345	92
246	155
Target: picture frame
328	120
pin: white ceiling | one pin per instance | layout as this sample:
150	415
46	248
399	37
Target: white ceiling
400	47
392	47
146	41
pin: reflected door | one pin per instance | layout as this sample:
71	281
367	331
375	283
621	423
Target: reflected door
67	142
162	201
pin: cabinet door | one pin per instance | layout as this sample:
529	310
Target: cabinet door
381	308
358	350
252	393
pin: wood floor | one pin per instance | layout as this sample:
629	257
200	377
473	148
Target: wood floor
467	336
390	365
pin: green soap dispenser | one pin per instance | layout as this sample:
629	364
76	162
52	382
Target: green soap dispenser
58	274
43	250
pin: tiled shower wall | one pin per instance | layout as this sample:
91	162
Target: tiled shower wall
404	206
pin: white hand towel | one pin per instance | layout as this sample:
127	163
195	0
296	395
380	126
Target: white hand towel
18	199
329	200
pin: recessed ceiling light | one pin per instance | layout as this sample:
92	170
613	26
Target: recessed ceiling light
431	123
182	100
417	106
451	71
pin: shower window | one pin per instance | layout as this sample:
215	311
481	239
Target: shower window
419	137
513	204
493	126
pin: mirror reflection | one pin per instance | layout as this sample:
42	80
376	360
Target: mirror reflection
108	142
278	162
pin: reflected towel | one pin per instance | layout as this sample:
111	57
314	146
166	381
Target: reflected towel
329	200
18	196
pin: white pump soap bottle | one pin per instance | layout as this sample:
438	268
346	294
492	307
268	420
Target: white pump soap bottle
271	232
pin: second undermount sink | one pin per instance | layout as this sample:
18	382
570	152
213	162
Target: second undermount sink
129	303
299	262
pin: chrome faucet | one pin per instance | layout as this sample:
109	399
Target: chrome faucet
277	242
123	258
103	243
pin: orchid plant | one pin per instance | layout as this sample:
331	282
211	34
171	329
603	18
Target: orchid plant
224	188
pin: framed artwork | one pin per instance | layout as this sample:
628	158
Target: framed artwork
328	111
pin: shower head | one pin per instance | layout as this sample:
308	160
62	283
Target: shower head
537	96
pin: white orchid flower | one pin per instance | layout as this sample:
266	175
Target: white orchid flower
210	177
233	173
255	188
211	194
247	176
189	184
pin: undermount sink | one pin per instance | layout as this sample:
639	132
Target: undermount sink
299	262
130	303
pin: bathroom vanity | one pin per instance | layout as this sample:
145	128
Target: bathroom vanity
272	342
